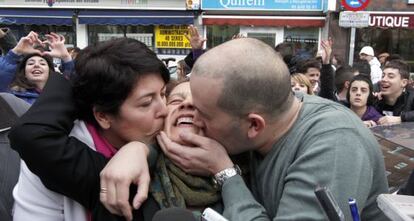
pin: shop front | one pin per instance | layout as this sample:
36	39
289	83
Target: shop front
391	32
21	21
158	23
273	22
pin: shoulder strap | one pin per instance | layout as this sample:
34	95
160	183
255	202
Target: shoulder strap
7	116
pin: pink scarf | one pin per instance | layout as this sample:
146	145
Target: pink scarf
102	146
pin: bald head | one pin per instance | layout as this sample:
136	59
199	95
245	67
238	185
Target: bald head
254	77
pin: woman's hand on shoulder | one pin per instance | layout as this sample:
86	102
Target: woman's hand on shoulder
128	166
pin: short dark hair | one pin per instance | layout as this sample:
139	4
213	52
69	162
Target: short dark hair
20	81
371	97
401	66
310	63
393	57
107	72
363	67
342	75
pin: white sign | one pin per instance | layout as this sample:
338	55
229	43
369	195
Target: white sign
390	21
144	38
350	19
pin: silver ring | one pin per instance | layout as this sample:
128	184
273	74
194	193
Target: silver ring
104	190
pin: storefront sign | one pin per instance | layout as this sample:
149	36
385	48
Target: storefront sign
391	21
92	4
171	36
273	5
349	19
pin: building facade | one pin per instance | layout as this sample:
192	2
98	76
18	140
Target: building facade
300	22
159	24
391	30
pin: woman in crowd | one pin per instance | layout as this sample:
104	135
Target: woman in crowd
27	79
112	117
300	83
119	92
360	97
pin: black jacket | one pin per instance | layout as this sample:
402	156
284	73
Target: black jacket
64	164
404	106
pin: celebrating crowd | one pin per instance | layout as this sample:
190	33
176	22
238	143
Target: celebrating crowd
250	133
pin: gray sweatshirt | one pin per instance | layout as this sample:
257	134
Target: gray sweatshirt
327	145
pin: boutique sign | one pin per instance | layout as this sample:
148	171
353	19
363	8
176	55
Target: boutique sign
391	21
268	5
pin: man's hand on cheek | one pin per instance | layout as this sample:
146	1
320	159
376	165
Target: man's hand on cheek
203	157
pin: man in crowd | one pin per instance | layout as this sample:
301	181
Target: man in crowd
312	70
246	104
397	103
367	53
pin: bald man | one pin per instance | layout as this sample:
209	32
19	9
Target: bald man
241	91
244	103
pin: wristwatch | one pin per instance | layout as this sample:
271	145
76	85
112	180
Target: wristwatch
221	177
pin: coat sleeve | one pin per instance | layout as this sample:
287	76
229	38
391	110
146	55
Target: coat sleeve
8	67
64	164
327	83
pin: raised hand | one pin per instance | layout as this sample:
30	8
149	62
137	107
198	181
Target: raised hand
196	41
326	50
26	45
57	47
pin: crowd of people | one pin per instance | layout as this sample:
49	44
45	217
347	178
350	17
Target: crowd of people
246	129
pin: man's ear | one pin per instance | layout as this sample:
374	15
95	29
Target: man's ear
256	125
347	84
404	83
102	118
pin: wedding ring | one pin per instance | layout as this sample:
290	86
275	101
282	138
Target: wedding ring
104	190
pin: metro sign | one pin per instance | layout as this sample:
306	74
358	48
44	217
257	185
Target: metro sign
355	5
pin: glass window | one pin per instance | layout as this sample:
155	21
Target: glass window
304	41
392	41
268	38
217	34
67	31
144	34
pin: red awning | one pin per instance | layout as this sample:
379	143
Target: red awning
291	21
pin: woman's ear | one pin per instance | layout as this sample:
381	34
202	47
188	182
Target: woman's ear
102	118
256	125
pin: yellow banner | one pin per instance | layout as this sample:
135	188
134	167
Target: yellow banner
172	36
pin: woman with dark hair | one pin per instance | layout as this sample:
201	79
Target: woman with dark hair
119	100
31	76
26	79
361	99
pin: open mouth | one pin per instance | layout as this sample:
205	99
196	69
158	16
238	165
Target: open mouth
37	72
385	86
184	121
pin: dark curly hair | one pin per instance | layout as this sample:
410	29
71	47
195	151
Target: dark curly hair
107	72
